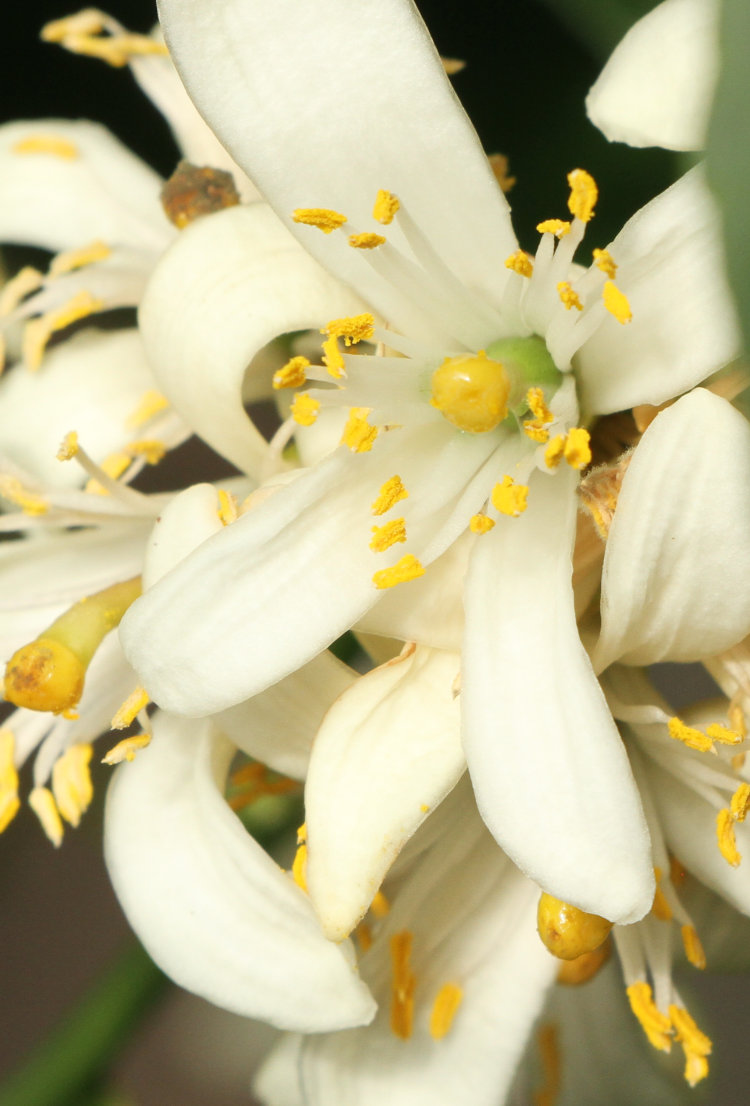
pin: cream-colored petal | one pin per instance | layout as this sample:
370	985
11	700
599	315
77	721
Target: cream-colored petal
189	519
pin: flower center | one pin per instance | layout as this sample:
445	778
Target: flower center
471	392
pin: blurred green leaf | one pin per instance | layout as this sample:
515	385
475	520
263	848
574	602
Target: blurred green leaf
599	26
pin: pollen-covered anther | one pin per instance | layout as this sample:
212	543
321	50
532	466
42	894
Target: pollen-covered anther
726	837
723	734
558	227
321	217
383	537
471	392
366	241
352	328
656	1025
567	931
391	493
577	449
42	802
688	735
555	451
9	801
568	297
604	260
125	714
536	428
660	908
740	803
691	943
38	332
406	569
50	144
583	195
509	498
444	1010
385	207
333	359
403	985
481	524
84	33
573	973
520	262
380	905
616	302
305	409
71	782
359	436
695	1044
126	750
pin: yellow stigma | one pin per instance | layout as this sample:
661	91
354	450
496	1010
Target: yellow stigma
291	375
386	206
616	302
509	498
471	392
568	298
558	227
383	537
520	262
366	241
358	434
9	801
583	195
305	409
321	217
404	982
656	1025
603	260
391	493
408	568
572	973
46	144
352	328
567	931
444	1009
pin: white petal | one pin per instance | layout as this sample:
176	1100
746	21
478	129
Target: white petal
277	1081
189	519
230	284
59	203
377	77
550	773
387	753
657	87
211	907
671	267
674	582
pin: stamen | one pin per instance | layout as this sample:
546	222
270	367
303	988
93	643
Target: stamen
603	260
299	865
616	302
227	511
352	328
387	535
471	392
583	195
656	1025
660	908
321	217
151	403
555	451
577	451
558	227
692	945
112	467
386	206
481	524
150	449
567	931
726	838
46	144
26	281
291	375
38	332
444	1009
358	434
71	782
126	749
42	802
572	973
568	297
404	983
520	262
408	568
333	359
366	241
14	491
9	801
740	803
305	409
83	33
380	905
391	493
70	260
125	714
509	498
696	1045
722	734
688	735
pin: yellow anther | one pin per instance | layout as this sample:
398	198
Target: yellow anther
366	241
471	392
70	260
126	749
85	36
380	905
150	404
408	568
391	493
383	537
444	1009
577	451
604	260
660	908
299	865
537	406
14	491
481	524
688	735
520	263
352	328
696	1045
228	511
723	735
656	1025
568	297
549	1051
616	302
291	375
567	931
740	803
555	451
558	227
583	195
321	217
38	332
68	446
386	206
150	449
509	498
113	466
572	973
533	429
738	761
125	714
404	982
358	434
333	358
42	802
71	782
26	281
46	144
9	801
691	943
305	409
726	838
363	933
737	719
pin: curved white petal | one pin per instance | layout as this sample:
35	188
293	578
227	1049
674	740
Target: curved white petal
387	753
549	770
677	561
187	520
377	77
671	267
211	907
230	284
59	202
657	87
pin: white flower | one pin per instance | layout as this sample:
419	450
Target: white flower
274	589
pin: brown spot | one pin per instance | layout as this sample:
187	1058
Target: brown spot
193	191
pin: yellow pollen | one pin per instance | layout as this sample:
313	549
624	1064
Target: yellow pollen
577	451
46	144
740	803
391	493
26	281
572	973
386	206
150	449
383	537
688	735
725	736
14	491
42	802
558	227
380	905
533	429
126	749
537	406
404	982
125	714
520	263
616	302
366	241
408	568
291	375
568	298
113	466
444	1009
305	409
656	1025
738	761
726	838
691	943
509	498
358	434
352	328
471	392
549	1050
9	801
555	451
481	524
696	1045
71	782
227	511
70	260
38	332
603	260
333	359
567	931
321	217
583	195
150	404
68	447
